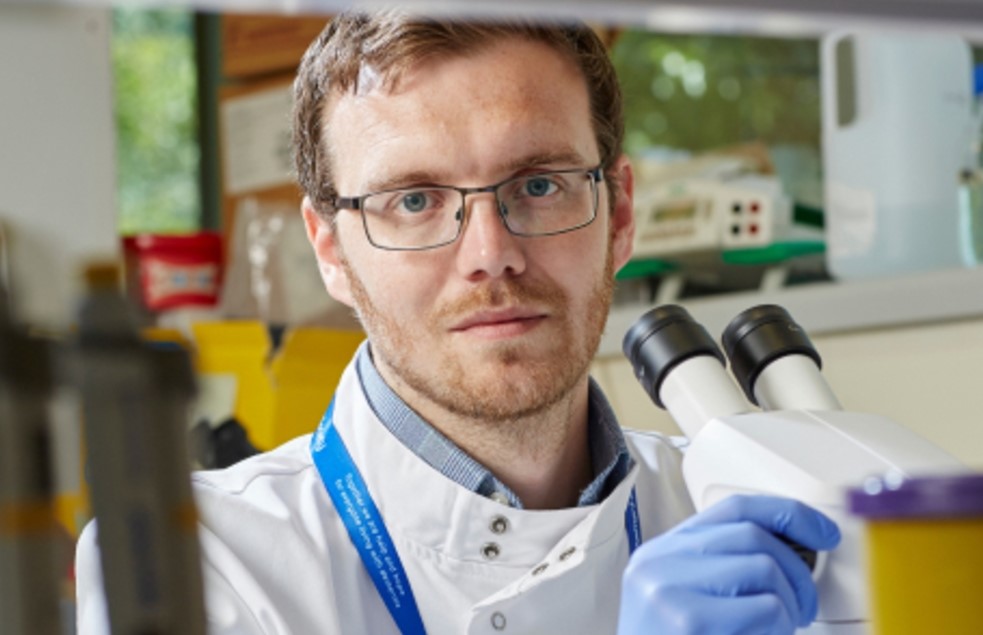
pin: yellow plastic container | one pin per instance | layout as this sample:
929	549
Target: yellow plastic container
280	398
305	374
924	540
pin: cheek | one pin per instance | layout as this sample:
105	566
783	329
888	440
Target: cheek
397	288
577	267
592	253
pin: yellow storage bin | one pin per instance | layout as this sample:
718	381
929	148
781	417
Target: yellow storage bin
306	372
280	398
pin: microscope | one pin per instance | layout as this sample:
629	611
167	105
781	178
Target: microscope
800	445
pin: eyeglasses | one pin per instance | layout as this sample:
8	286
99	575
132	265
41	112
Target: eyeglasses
418	218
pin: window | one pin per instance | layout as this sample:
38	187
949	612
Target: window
701	92
156	120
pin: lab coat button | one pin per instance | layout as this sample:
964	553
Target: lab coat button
490	551
498	621
499	525
566	554
540	569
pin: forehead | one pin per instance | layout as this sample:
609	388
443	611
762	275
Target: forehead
463	115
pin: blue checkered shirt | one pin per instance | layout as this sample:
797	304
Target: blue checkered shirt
609	455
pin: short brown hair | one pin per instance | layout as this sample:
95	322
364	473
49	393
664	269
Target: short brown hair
391	42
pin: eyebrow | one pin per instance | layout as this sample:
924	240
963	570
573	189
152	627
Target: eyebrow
401	180
564	157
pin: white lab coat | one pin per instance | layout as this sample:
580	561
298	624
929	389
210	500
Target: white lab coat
278	559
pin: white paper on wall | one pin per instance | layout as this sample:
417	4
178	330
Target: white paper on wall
256	140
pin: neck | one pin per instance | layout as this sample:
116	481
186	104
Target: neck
543	458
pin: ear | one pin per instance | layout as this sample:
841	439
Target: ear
323	238
623	213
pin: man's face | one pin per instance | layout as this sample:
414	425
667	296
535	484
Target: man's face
494	325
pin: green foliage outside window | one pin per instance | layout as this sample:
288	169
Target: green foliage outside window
699	92
156	121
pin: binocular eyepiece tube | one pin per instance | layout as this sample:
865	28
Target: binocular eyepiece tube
774	362
683	370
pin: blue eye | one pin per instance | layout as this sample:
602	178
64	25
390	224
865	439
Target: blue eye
539	186
414	201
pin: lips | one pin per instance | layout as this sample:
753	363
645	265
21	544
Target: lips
499	318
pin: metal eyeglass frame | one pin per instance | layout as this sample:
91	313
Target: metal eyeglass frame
356	203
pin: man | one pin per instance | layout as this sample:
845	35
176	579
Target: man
466	194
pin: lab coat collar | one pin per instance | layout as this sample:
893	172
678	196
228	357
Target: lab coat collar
442	519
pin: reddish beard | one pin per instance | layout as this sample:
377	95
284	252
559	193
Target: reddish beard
525	383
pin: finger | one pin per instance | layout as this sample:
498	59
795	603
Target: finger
760	614
714	575
790	518
771	516
748	539
751	572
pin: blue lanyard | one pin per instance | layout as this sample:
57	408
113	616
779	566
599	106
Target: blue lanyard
367	530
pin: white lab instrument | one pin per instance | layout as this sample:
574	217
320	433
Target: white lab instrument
897	131
136	401
696	215
803	446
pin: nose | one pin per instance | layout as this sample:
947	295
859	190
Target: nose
486	248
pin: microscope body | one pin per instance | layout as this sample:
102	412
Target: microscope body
814	457
800	445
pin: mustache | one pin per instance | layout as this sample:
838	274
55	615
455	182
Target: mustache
509	292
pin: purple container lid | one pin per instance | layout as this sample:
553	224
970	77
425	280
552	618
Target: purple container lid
891	496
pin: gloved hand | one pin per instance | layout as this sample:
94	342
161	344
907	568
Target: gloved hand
724	571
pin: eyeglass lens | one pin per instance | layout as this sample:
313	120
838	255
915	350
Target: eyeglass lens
530	205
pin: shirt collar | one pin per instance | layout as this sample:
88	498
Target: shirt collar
609	453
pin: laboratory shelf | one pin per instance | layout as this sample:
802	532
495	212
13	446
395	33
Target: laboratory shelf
774	254
833	307
787	18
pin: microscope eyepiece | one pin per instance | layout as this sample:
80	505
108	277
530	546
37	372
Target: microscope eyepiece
680	337
759	336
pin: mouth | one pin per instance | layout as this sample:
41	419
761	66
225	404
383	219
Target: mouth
500	323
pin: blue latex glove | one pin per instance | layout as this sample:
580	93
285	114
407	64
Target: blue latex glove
724	572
